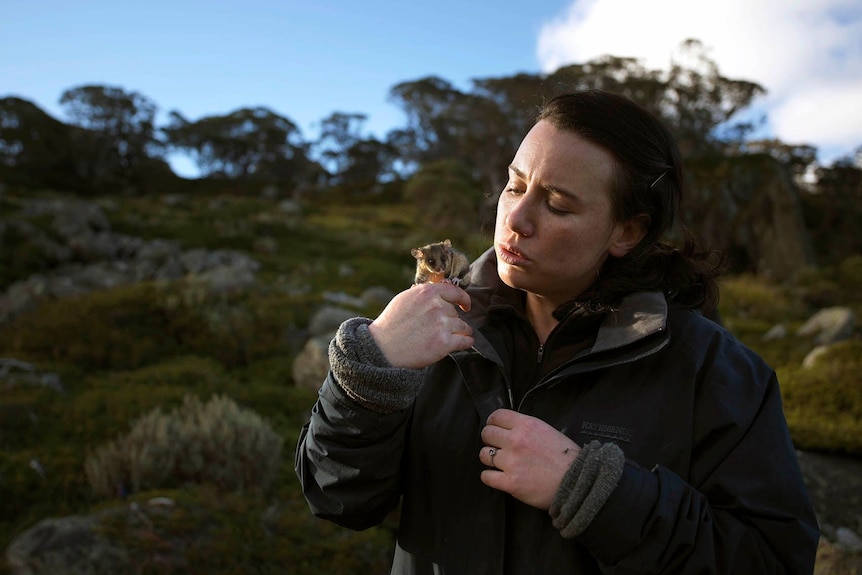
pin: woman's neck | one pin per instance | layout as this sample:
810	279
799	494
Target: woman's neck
540	314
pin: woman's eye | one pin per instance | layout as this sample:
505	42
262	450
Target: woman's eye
556	211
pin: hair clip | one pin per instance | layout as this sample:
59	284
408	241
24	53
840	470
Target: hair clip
652	185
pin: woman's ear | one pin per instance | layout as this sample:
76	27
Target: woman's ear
628	234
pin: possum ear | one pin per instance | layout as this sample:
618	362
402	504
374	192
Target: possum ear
447	242
416	253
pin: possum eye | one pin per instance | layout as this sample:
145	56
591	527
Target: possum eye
430	261
443	261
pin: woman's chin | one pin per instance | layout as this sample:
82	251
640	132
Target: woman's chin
511	276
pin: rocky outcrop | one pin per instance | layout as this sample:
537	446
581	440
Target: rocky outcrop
749	206
829	325
14	372
824	329
75	242
312	363
65	545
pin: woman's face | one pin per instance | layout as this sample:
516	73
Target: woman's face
554	226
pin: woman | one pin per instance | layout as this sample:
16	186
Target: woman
573	411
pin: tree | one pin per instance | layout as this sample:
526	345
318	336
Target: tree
798	157
35	148
698	99
369	162
427	102
833	212
472	128
117	139
246	144
338	133
447	197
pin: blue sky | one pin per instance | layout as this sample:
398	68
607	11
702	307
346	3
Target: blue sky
306	60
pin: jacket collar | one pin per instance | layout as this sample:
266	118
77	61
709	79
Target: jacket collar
638	316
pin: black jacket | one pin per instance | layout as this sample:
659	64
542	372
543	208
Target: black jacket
711	483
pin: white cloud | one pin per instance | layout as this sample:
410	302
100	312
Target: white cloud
806	53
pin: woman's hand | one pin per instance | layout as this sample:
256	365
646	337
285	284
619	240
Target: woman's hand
421	325
530	457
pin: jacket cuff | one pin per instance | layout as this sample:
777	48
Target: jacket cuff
363	372
586	487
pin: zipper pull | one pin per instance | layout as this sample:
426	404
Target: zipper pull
541	353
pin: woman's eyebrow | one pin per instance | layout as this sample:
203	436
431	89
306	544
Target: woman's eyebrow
550	188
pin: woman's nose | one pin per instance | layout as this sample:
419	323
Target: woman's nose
520	217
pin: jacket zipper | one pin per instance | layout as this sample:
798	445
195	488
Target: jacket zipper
541	353
549	379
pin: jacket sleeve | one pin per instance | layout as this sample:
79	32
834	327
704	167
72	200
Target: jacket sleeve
744	508
348	459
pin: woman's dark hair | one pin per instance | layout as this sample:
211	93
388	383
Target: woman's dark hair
648	180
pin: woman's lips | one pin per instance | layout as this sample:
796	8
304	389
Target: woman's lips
511	255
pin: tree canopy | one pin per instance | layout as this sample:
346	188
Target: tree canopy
464	136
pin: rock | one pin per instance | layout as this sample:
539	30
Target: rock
341	298
327	319
172	269
290	207
14	372
312	363
225	279
829	325
158	251
76	218
270	192
778	331
377	295
160	502
814	356
848	539
68	545
94	258
194	260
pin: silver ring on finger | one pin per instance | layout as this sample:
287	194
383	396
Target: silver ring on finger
492	452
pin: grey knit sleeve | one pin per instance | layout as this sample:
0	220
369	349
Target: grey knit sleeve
586	487
361	369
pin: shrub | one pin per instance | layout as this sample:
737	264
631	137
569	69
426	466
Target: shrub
217	442
139	324
849	278
106	402
747	297
816	287
204	531
823	403
447	197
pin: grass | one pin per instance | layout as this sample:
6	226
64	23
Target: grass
124	352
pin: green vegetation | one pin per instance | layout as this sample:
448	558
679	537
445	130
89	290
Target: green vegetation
823	403
216	443
140	365
337	214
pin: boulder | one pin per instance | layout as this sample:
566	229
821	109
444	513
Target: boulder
327	319
14	372
69	545
311	365
829	325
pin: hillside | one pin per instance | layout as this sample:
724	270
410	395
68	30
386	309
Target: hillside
119	306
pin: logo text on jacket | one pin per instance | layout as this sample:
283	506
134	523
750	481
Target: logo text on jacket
615	432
